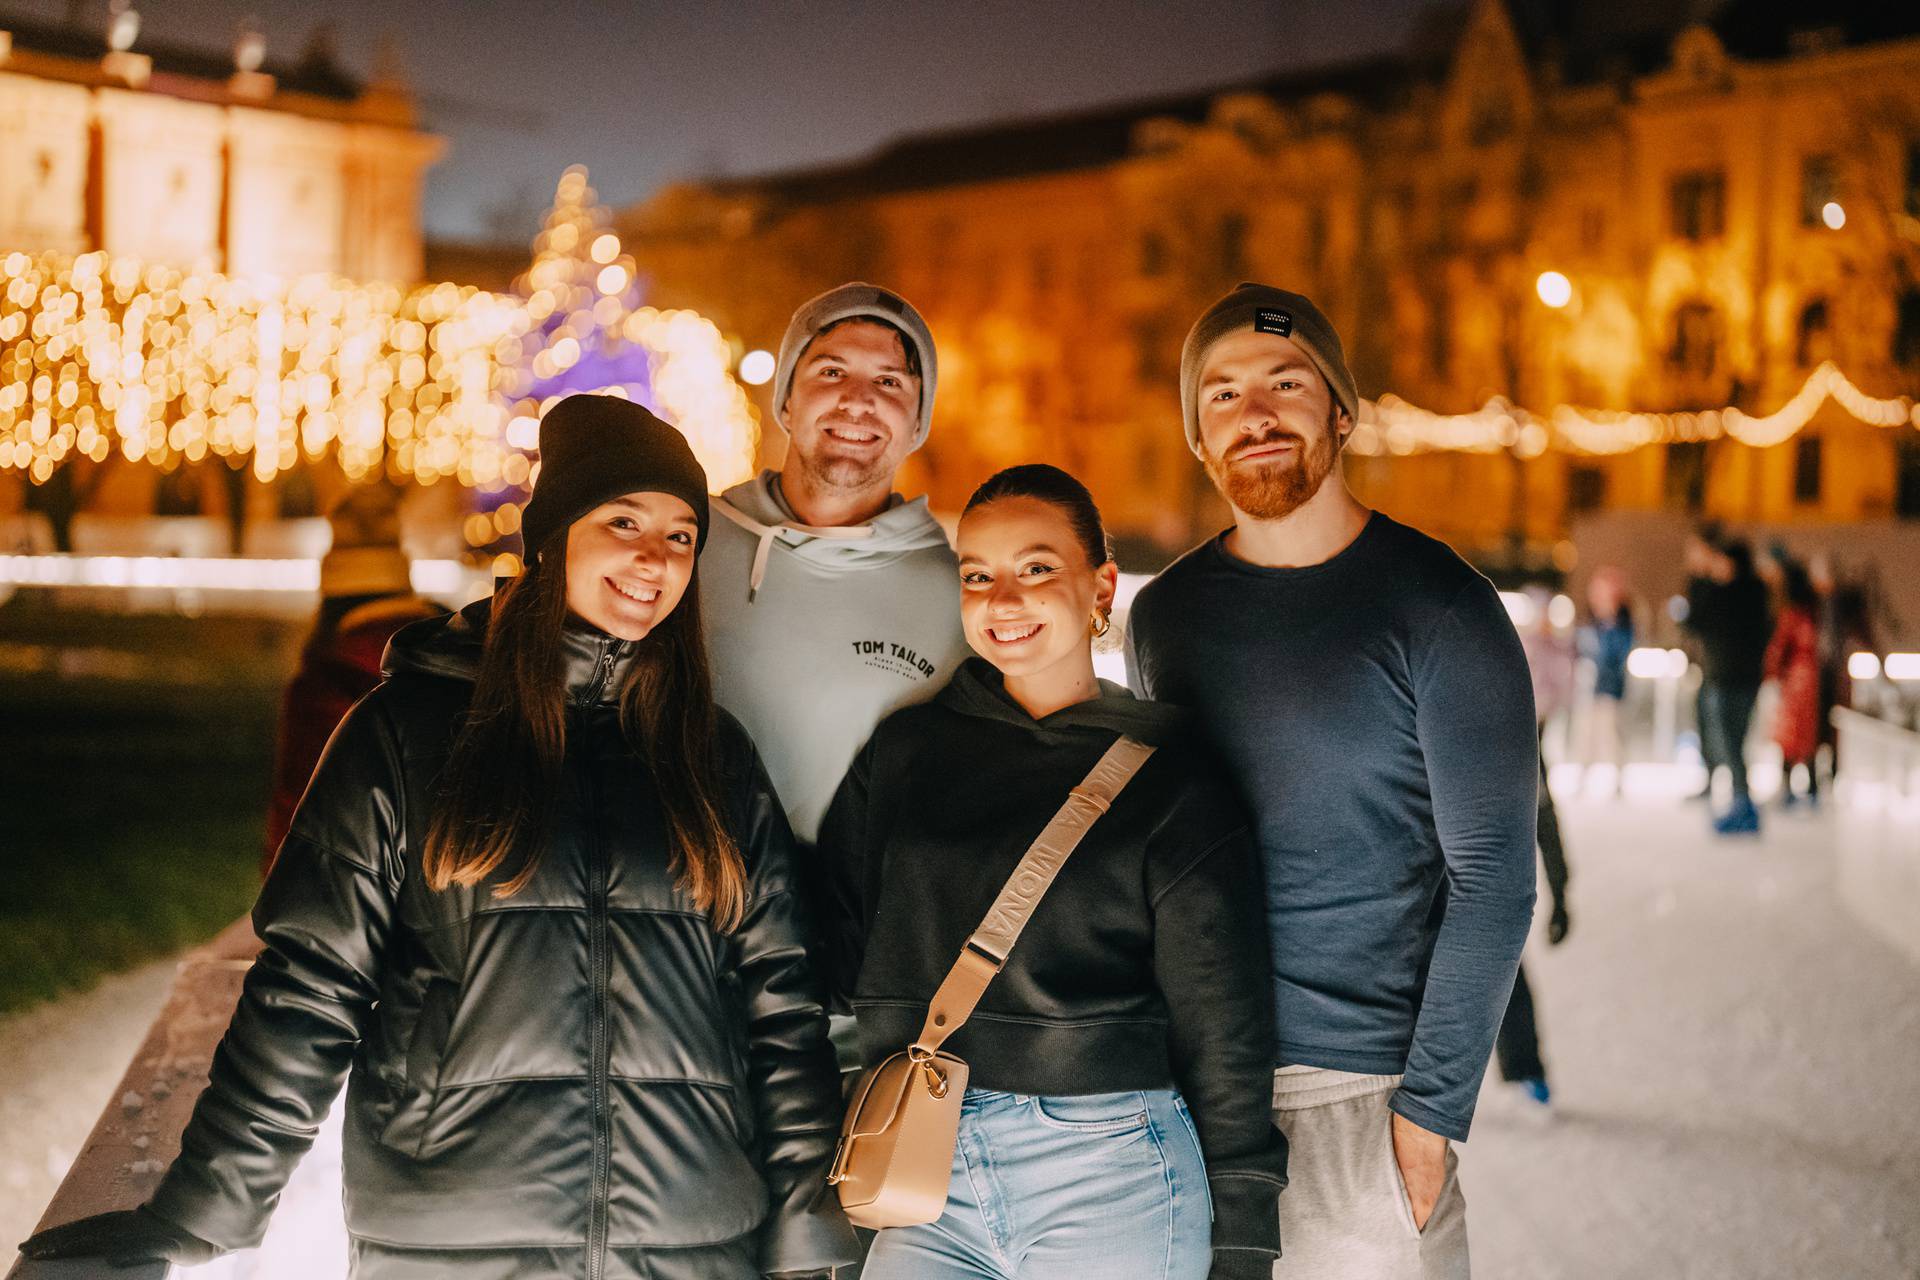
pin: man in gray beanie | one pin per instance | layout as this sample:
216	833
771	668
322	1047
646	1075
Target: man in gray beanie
831	600
1366	690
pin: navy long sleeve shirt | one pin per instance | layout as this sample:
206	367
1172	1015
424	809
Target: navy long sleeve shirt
1378	717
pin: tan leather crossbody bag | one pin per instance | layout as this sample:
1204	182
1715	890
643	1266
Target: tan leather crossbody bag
896	1144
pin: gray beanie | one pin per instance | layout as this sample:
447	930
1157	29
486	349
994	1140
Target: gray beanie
854	302
1263	309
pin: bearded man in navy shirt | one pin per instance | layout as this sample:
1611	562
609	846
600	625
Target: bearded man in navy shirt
1365	687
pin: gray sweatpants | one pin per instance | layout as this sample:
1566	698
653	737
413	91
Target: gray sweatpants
1345	1213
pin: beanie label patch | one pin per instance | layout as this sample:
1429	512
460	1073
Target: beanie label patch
1266	320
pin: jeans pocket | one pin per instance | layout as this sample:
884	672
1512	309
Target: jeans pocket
1092	1113
1192	1131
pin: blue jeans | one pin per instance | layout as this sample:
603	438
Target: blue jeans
1106	1186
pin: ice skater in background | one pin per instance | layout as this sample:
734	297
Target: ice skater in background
1517	1049
1550	661
1605	640
1793	663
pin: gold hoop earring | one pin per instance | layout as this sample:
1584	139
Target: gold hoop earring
1101	625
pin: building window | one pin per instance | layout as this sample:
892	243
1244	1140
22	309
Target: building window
1233	246
1906	330
1815	341
1699	205
1492	119
1806	470
1818	189
1695	349
1041	269
1156	350
1153	254
1593	227
1586	489
1439	339
1686	478
1906	490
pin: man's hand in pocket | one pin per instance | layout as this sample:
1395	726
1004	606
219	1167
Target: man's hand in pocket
1422	1157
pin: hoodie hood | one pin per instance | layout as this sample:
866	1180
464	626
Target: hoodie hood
759	507
597	664
978	689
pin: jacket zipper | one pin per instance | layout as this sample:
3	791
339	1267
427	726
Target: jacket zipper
600	1084
600	677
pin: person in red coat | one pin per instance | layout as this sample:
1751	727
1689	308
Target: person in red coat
366	594
1793	662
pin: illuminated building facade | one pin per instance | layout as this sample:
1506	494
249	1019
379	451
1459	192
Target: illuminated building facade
1679	219
173	159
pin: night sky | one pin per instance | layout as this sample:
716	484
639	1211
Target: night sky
647	93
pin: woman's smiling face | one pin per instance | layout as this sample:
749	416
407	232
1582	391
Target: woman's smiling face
629	561
1028	592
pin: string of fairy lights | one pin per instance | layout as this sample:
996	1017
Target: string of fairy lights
102	356
1390	425
161	365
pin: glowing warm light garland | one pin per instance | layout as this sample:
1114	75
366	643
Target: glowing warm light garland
1390	425
100	355
163	365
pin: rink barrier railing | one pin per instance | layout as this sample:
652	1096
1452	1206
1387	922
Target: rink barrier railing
138	1134
1877	852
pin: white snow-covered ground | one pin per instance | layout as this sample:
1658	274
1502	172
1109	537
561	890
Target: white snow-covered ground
1736	1067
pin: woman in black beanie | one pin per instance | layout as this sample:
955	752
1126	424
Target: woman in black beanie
536	908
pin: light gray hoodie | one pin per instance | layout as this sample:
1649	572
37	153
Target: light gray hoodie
817	635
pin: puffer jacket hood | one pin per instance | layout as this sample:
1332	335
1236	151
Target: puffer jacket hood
448	646
586	1079
758	506
978	689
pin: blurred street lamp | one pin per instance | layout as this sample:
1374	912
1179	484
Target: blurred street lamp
756	367
1833	215
1554	289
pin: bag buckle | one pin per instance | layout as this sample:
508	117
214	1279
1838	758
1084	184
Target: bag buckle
937	1085
837	1171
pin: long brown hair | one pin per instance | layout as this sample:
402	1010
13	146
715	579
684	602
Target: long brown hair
496	794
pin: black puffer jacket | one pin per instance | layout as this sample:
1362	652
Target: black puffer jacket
583	1080
1145	967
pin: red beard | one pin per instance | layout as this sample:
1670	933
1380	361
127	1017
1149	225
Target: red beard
1271	490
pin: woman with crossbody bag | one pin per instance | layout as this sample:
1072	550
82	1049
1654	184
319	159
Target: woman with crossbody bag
1042	892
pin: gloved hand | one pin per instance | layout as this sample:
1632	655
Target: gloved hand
1240	1264
124	1237
1557	925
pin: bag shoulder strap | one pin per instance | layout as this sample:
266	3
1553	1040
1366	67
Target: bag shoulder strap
986	951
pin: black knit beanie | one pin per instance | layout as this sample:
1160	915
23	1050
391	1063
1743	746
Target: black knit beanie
595	448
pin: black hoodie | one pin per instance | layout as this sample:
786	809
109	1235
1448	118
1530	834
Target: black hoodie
1145	967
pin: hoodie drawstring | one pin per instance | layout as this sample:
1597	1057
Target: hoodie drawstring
766	533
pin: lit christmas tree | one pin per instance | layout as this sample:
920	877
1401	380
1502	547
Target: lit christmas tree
588	332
